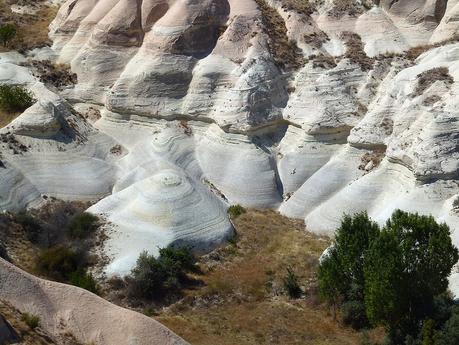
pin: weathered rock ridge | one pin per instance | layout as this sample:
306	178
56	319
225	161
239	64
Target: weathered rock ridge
315	108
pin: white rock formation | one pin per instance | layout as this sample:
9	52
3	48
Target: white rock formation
206	103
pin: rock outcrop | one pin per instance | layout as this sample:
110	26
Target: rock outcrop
316	109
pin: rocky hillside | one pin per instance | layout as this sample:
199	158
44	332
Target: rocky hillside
182	107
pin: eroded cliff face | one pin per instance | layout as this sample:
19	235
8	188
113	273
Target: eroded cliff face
315	108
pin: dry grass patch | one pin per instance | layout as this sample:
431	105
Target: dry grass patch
32	29
427	78
299	6
6	117
355	51
243	301
350	7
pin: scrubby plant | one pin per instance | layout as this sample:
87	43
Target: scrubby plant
82	225
7	32
31	320
154	278
58	262
291	284
235	211
84	280
30	224
14	98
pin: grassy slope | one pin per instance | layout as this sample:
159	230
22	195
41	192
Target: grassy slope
241	300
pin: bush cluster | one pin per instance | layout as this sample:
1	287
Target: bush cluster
59	262
393	277
82	225
15	98
84	280
235	211
155	278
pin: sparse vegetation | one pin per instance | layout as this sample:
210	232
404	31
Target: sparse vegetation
355	51
30	225
349	7
84	280
15	98
54	241
7	32
51	74
32	321
429	77
58	262
235	211
285	52
299	6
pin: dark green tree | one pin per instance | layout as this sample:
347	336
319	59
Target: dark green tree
449	334
329	276
407	265
341	269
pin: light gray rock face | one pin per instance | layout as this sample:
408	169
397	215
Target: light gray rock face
208	103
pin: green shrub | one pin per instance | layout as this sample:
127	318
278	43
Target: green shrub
58	262
7	32
14	98
182	257
235	211
340	274
82	225
291	284
32	321
84	280
154	278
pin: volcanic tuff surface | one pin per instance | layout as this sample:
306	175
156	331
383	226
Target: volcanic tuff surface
66	311
182	107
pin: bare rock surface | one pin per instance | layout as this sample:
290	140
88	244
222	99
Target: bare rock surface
67	310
